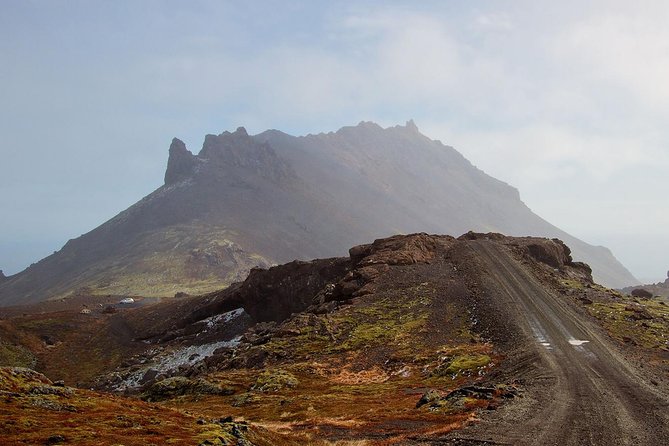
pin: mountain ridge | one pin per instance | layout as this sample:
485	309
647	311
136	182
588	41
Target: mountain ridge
255	200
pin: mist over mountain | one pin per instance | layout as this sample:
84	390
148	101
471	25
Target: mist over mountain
246	201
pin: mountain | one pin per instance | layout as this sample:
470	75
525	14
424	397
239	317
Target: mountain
413	339
246	201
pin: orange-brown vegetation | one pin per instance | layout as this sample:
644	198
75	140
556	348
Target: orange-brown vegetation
391	346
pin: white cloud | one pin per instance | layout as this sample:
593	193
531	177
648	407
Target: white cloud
543	153
414	57
494	22
625	50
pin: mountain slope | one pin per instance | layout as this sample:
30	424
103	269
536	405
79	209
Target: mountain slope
256	200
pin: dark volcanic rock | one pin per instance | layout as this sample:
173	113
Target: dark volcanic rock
555	255
238	149
274	294
109	309
430	397
181	163
399	250
55	439
640	292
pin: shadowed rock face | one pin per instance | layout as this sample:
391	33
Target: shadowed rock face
181	163
246	201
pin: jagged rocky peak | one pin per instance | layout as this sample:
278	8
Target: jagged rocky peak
227	144
180	164
2	276
238	149
372	128
411	125
369	125
214	144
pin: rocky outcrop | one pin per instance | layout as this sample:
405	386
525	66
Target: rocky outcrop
271	296
640	292
238	149
399	250
552	252
276	293
180	164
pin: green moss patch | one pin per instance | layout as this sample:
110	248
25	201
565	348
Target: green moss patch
643	323
16	356
462	364
180	385
274	380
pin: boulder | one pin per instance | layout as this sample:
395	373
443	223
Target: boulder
179	385
109	309
430	397
640	292
55	439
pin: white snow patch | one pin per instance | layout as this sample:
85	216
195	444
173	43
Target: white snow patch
168	361
577	342
192	354
223	318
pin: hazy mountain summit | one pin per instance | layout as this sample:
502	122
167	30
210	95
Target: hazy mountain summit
246	201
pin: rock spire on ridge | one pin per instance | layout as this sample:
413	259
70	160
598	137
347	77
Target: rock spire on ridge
180	163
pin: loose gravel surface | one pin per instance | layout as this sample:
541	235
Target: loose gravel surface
580	390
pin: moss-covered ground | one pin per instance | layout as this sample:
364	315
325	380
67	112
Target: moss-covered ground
352	376
638	323
357	373
34	411
641	322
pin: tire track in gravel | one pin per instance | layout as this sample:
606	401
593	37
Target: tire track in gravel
589	394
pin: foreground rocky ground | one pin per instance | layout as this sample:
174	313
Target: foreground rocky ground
413	339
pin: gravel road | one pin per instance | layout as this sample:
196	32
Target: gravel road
580	389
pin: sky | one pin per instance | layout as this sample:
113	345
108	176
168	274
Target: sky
567	101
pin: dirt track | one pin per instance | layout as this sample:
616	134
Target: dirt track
580	390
